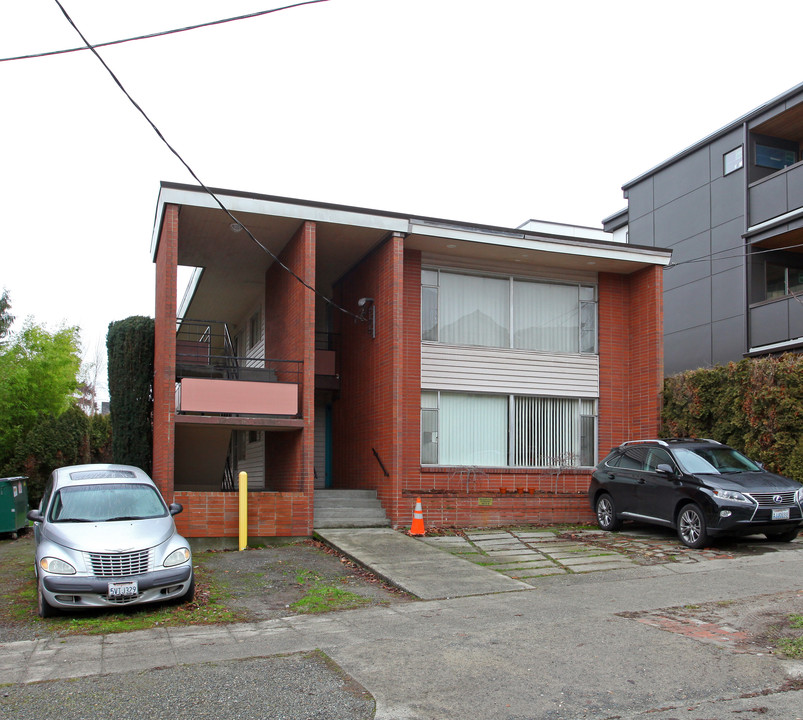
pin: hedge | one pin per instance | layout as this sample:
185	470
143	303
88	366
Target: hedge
755	405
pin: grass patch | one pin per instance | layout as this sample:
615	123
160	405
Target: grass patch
791	647
322	597
18	608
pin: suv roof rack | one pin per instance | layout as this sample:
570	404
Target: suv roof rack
666	442
646	440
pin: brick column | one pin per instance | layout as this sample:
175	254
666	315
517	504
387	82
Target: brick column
164	355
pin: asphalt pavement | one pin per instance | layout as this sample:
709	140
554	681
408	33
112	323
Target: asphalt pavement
505	644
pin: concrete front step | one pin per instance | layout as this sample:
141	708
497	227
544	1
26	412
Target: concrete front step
348	508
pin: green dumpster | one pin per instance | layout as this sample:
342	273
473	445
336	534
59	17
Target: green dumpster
13	504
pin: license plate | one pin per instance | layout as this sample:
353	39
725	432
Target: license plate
780	514
123	589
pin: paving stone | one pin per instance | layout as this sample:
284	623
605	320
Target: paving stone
518	547
592	560
497	543
540	535
511	558
523	566
527	577
620	565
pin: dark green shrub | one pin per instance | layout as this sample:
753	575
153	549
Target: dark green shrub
755	405
53	441
130	360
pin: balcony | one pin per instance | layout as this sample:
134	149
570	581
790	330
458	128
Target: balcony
212	379
775	166
776	195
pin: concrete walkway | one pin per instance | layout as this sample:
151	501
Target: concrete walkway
415	566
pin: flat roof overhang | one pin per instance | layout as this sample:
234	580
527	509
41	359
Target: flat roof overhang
234	266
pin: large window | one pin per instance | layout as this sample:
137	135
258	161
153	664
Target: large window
507	430
461	309
783	280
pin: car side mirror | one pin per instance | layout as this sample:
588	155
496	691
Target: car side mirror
35	516
665	469
175	508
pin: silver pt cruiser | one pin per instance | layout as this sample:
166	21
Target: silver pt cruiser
105	538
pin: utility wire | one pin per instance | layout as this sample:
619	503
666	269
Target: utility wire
710	256
192	172
161	33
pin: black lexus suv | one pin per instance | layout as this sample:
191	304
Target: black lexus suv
701	488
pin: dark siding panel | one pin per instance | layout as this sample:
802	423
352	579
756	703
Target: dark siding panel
795	188
687	306
727	198
683	177
769	324
640	231
727	340
682	271
795	319
768	200
727	295
727	247
687	350
684	218
639	199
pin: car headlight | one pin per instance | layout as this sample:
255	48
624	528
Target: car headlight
733	496
177	557
799	496
56	566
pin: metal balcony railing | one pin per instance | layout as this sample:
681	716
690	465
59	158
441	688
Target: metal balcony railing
204	349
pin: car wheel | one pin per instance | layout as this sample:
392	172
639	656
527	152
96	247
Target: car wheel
787	536
691	527
606	513
189	594
44	608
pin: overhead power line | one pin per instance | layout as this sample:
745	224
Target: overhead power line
160	33
736	256
192	172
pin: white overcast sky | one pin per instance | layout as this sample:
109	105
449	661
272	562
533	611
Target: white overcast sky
491	112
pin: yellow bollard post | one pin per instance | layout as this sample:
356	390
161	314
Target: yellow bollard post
243	490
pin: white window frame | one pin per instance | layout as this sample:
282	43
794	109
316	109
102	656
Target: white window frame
513	431
587	309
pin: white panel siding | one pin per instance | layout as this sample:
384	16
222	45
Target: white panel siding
254	462
500	370
502	267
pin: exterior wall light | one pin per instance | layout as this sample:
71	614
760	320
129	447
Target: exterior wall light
368	314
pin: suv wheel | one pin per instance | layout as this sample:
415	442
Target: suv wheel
691	527
606	513
787	536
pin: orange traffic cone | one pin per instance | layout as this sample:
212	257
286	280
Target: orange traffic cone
417	528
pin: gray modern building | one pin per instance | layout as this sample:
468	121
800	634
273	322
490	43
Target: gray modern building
731	209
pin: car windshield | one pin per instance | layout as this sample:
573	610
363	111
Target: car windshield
106	503
714	461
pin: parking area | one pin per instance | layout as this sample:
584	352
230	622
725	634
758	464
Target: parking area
527	555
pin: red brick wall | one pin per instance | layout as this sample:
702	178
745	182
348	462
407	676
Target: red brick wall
290	335
270	514
367	415
631	356
631	372
164	355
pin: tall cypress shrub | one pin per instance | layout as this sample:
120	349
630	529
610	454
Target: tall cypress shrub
129	344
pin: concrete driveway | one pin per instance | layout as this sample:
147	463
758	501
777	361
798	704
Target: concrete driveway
618	643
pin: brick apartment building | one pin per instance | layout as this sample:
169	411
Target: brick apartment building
482	369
